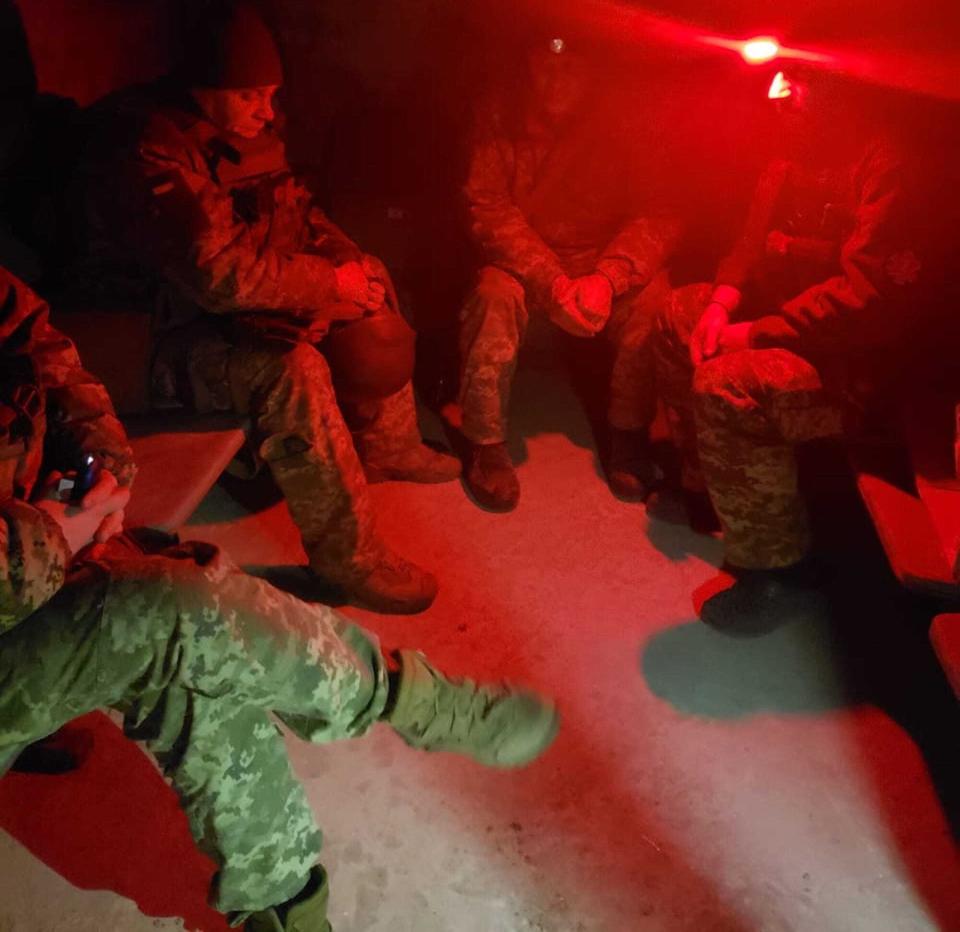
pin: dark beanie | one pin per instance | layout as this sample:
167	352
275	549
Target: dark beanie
232	49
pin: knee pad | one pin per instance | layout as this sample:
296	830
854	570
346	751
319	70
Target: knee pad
371	358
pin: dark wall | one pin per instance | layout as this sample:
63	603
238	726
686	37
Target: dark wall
86	48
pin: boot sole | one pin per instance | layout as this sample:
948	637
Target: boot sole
378	476
389	607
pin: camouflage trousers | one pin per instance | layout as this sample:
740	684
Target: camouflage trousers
493	323
300	433
736	420
197	655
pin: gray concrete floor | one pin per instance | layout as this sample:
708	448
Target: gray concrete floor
698	783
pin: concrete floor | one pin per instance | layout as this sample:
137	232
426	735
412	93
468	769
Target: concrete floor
698	783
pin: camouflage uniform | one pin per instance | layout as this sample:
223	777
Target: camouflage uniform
546	203
195	653
829	316
242	265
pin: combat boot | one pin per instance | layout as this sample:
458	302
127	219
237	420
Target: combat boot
306	912
631	470
701	514
491	478
760	601
497	725
394	587
418	463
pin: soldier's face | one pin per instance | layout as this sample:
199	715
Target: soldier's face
559	82
243	112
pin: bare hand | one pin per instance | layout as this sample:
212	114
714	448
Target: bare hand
565	312
778	243
353	284
594	297
734	337
96	519
705	339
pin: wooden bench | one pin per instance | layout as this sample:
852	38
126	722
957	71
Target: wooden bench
179	455
179	458
912	493
945	634
911	490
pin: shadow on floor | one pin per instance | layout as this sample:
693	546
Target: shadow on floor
113	824
872	650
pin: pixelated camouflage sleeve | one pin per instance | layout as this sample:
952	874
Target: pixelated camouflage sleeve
498	225
33	560
751	246
639	250
76	401
881	266
183	223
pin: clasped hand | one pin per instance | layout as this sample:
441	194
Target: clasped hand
357	284
581	306
714	335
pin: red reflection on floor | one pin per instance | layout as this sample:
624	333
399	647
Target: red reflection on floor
114	824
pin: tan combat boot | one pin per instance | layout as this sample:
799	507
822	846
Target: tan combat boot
497	725
418	463
491	478
394	586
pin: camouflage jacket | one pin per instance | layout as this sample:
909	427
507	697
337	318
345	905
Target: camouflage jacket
576	200
168	195
834	260
43	390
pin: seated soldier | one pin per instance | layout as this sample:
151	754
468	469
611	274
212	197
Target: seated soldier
191	204
825	303
563	213
194	652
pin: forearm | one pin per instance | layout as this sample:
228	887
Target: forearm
33	560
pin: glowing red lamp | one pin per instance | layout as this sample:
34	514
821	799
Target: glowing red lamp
760	51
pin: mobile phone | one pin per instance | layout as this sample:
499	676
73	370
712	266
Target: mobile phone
88	471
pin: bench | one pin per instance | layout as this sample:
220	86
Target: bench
945	634
912	493
179	458
180	455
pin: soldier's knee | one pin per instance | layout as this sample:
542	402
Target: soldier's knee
496	287
723	377
303	363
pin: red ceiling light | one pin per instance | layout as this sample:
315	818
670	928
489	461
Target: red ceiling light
761	50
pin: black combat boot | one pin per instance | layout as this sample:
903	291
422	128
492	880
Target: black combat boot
52	756
761	601
631	470
491	478
701	514
306	912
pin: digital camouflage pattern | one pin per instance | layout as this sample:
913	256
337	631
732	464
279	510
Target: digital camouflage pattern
751	409
542	203
821	264
42	384
195	653
222	226
493	323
